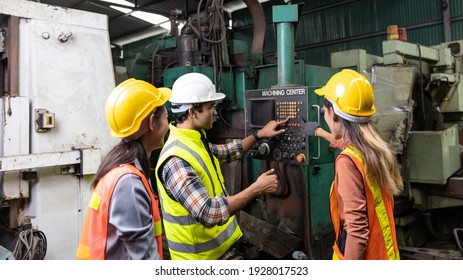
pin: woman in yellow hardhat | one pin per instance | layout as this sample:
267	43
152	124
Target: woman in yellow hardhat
366	172
123	219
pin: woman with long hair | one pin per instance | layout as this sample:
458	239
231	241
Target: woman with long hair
122	219
366	172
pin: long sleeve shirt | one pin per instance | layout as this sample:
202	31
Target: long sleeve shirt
131	226
183	184
338	144
352	207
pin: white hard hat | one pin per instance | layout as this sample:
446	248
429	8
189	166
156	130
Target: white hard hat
194	88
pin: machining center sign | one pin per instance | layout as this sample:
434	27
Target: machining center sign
284	92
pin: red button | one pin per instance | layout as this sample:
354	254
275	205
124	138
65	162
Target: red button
300	158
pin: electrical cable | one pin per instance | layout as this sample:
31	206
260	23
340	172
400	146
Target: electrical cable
225	121
197	16
306	214
432	230
222	24
457	239
31	245
282	187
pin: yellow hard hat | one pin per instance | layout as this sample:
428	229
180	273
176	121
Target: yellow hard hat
351	95
130	103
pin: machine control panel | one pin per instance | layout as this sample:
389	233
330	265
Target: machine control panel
265	105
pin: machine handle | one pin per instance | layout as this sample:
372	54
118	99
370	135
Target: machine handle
318	123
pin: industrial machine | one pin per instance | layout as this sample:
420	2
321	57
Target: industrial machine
54	132
53	129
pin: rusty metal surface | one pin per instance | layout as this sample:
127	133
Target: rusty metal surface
453	188
13	56
286	204
267	237
416	253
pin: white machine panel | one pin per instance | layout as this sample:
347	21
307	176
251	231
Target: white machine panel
65	75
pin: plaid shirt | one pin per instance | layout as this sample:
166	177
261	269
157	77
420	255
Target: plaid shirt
183	185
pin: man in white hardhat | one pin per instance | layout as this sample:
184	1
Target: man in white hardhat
198	213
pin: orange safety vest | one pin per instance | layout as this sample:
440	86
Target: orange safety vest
92	243
382	242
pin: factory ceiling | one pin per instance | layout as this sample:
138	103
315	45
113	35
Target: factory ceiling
124	16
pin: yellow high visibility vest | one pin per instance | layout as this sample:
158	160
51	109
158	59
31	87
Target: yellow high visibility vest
187	238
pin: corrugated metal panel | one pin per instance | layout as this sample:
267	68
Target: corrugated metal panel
456	7
457	30
456	13
315	4
404	13
325	28
432	35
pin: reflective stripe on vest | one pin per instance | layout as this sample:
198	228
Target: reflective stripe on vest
208	245
380	216
187	238
198	158
92	243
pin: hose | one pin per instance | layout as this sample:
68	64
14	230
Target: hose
31	245
457	239
306	214
430	227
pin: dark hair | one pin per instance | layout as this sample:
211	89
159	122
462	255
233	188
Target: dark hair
327	103
125	152
182	116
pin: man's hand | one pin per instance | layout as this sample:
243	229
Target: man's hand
267	182
270	129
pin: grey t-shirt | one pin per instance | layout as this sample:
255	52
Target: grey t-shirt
130	228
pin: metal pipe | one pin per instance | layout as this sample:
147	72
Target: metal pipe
306	214
2	135
187	14
259	24
285	46
457	239
446	20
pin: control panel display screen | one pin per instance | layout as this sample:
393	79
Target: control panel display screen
257	119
